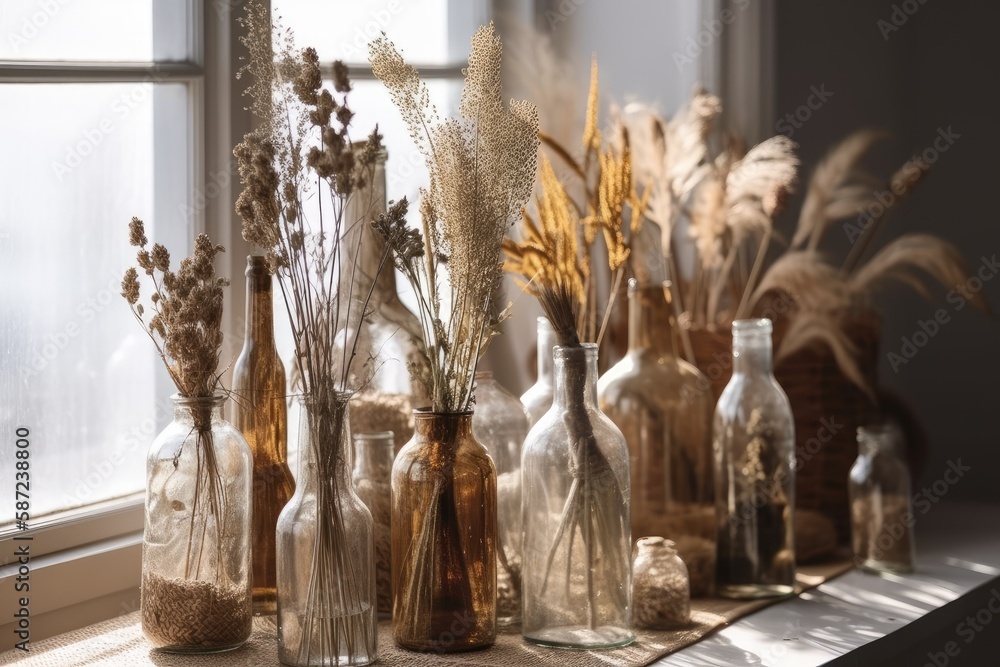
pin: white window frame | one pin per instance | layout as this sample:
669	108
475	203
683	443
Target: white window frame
85	564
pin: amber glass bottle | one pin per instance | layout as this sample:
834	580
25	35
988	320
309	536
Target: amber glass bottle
260	413
444	532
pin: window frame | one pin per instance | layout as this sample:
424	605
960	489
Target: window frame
85	563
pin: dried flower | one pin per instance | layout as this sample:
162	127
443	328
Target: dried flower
482	167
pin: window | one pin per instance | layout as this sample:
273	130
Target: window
100	101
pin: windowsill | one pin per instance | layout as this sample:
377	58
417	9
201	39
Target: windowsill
855	619
83	568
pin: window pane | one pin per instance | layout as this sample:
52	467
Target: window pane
432	32
75	367
116	30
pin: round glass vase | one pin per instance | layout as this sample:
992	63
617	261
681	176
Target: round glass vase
444	513
373	455
881	512
501	424
663	406
576	571
754	447
326	549
196	578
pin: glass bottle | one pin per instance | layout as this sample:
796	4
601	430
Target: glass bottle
661	594
881	515
196	587
392	334
576	567
664	408
501	424
373	455
444	557
326	548
538	398
754	446
261	415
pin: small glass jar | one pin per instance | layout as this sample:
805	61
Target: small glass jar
444	513
754	445
577	561
501	424
661	593
881	513
196	583
538	399
373	455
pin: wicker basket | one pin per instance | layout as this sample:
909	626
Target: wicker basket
825	404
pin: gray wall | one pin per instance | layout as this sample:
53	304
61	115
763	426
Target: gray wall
936	71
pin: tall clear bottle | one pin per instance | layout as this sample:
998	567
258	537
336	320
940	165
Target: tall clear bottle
577	549
326	548
663	406
261	415
881	512
501	424
754	447
373	456
391	332
538	398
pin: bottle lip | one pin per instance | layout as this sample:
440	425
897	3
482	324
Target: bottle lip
428	412
217	398
375	437
758	326
310	400
543	324
656	542
573	351
887	432
635	286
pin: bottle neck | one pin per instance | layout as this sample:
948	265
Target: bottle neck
260	305
575	376
373	455
363	247
649	326
752	354
325	448
203	411
446	428
546	343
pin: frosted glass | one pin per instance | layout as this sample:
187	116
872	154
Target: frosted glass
93	30
75	367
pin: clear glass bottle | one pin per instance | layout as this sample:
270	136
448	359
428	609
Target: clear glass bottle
881	513
754	446
261	415
576	567
501	424
444	515
661	593
664	409
538	398
196	586
391	332
326	549
373	455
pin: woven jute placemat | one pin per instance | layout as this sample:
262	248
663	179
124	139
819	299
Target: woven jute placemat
119	641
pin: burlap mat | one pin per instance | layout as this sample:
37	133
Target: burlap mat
119	641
